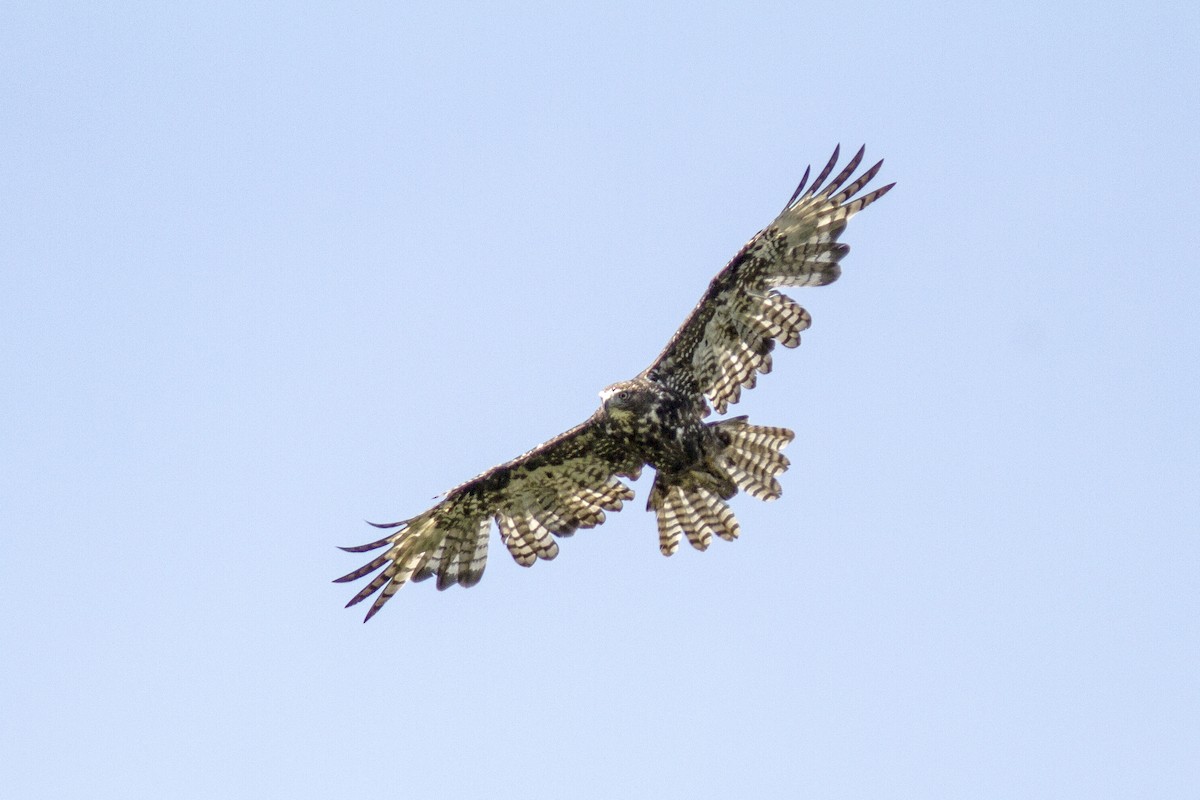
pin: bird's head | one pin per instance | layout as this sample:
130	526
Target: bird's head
626	397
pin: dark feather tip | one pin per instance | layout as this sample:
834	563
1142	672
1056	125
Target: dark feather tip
799	188
386	524
816	186
369	546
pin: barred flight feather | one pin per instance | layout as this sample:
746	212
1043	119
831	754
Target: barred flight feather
670	530
526	539
542	539
513	533
729	528
428	568
760	462
694	524
758	486
706	507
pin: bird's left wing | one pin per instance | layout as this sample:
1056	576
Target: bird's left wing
553	490
729	335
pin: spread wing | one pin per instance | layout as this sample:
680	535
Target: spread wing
553	490
730	333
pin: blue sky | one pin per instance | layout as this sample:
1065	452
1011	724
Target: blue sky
271	270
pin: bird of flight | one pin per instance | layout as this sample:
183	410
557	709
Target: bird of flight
655	419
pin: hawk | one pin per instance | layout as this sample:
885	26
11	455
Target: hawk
656	418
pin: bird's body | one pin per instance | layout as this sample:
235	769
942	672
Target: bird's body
658	424
655	419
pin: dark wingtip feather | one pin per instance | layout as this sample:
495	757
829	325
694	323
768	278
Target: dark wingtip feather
846	172
799	188
380	580
378	543
816	186
365	548
859	183
854	206
365	569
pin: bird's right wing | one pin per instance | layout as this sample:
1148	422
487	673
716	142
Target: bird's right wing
553	490
730	333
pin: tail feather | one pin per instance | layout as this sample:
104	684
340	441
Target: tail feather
720	517
763	488
692	504
699	531
697	512
753	458
667	506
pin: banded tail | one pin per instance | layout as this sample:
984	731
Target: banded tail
693	504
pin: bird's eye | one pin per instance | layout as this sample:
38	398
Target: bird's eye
623	394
